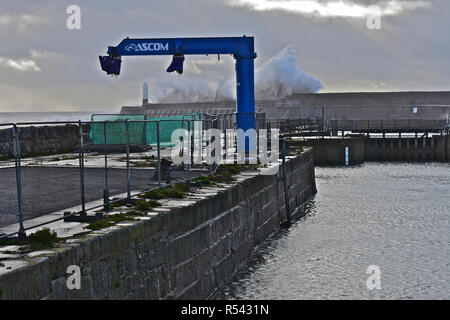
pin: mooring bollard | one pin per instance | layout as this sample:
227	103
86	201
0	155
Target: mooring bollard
81	162
18	166
165	169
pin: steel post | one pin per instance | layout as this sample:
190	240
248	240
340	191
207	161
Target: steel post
245	95
106	190
158	146
127	132
81	162
189	155
18	166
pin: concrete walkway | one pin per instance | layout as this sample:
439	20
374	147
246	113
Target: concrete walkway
49	189
52	183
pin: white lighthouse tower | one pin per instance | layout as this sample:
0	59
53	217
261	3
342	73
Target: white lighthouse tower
145	93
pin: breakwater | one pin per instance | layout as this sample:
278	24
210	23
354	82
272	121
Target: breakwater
358	149
187	249
342	106
422	148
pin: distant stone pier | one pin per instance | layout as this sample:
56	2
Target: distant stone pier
341	106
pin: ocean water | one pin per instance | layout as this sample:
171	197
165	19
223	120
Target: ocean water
14	117
395	216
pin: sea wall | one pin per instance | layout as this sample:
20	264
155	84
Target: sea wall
333	151
42	140
187	250
340	106
422	148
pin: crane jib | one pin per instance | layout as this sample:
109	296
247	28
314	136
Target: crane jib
242	49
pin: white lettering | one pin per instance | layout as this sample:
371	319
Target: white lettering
73	22
74	280
193	310
374	20
374	280
150	46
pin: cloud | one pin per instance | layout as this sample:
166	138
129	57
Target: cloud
410	52
20	22
42	54
24	65
334	8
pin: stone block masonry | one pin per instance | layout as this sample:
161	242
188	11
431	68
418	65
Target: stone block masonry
186	249
42	140
342	106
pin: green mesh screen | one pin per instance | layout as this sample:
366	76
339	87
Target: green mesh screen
166	128
114	130
140	132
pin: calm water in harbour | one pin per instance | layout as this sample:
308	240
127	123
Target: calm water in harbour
395	216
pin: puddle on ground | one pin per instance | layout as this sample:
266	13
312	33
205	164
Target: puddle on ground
10	265
39	253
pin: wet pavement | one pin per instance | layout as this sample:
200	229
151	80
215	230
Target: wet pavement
52	183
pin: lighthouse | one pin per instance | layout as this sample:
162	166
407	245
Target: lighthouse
145	93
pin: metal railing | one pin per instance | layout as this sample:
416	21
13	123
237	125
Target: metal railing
388	124
84	146
299	125
87	151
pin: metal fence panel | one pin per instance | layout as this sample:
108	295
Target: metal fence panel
112	129
110	156
168	125
8	176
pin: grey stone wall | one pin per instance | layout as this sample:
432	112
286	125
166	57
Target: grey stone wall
42	140
341	106
332	151
434	148
184	252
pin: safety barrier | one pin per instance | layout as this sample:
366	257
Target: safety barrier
110	155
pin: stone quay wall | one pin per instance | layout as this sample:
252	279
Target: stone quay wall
184	251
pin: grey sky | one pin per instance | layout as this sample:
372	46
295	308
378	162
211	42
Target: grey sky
44	66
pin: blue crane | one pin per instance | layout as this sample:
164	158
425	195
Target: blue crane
242	49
